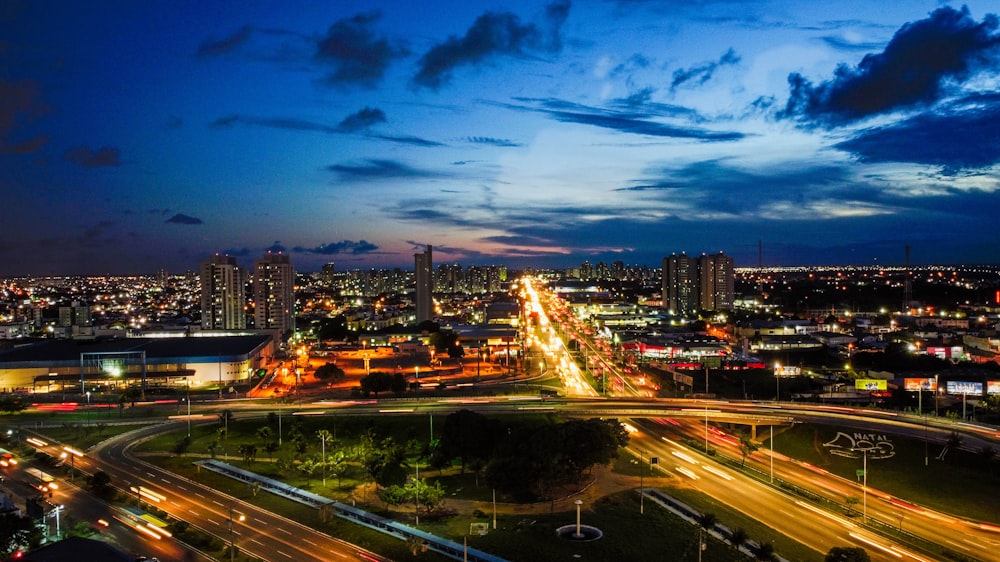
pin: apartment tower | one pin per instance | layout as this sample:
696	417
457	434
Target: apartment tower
223	294
274	293
423	273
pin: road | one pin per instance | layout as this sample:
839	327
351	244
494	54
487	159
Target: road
81	506
261	533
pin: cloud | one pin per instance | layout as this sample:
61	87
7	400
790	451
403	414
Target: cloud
181	218
492	141
362	119
377	168
237	252
964	135
492	34
20	102
702	73
635	62
212	48
357	55
103	157
343	247
635	122
27	147
918	66
354	123
407	139
276	248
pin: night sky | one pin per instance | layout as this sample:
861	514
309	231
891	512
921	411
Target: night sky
136	136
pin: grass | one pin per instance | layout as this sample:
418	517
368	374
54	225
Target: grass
962	484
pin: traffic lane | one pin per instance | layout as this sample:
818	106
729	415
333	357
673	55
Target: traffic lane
919	521
209	510
785	516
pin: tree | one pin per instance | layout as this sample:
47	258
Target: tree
953	442
249	452
764	552
265	433
100	485
271	447
747	447
329	371
11	403
852	503
18	532
332	328
376	382
847	554
707	521
737	537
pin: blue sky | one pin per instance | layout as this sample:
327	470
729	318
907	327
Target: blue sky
136	136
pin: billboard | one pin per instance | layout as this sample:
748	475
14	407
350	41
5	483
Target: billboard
870	384
918	384
993	387
964	387
786	371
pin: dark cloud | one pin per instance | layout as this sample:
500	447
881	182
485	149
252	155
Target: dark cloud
103	157
275	248
635	62
407	139
357	55
517	240
20	103
377	168
916	68
356	122
960	136
227	121
212	48
492	141
27	147
492	34
343	247
180	218
841	44
362	119
635	122
237	252
699	74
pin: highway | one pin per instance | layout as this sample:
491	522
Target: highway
261	533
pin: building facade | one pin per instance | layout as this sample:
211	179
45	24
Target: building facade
223	294
274	293
423	273
703	283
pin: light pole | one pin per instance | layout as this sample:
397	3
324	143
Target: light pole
642	495
864	484
188	399
578	504
232	537
777	382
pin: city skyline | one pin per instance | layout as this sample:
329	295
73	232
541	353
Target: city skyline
142	137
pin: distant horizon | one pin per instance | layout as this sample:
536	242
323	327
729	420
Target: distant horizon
658	264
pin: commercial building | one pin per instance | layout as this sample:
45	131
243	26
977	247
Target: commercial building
223	294
274	293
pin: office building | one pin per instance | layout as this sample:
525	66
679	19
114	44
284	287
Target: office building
423	273
274	293
223	294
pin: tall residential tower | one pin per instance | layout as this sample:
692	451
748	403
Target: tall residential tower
423	273
223	294
274	293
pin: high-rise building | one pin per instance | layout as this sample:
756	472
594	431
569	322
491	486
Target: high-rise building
423	273
678	283
223	294
329	273
274	293
716	282
705	283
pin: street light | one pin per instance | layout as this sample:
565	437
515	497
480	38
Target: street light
864	484
232	538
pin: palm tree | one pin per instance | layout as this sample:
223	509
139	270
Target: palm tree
764	552
953	442
707	521
747	447
737	537
324	435
988	453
